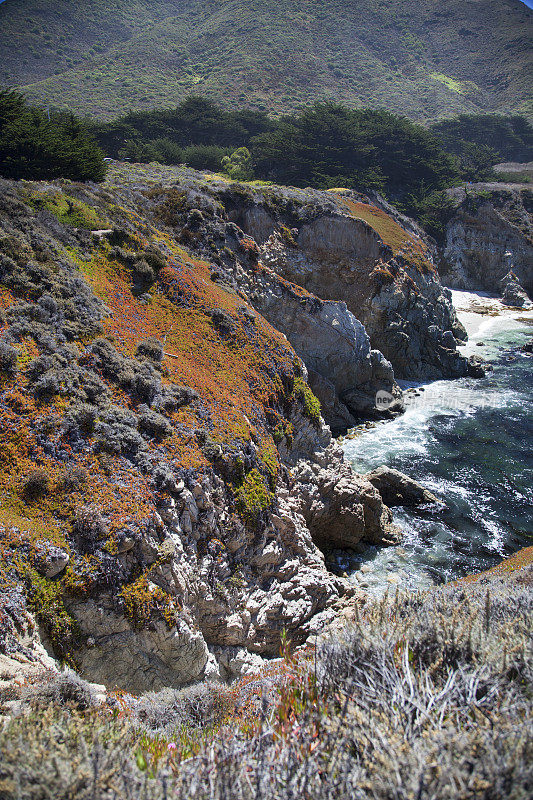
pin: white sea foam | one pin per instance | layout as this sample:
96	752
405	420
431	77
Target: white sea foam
435	547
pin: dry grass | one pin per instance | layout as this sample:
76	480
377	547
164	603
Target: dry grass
426	696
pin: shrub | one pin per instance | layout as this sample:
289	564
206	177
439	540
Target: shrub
88	528
117	439
155	424
35	485
204	705
64	688
253	497
206	157
144	272
73	479
151	348
358	717
222	321
45	600
239	165
81	418
311	403
142	598
8	358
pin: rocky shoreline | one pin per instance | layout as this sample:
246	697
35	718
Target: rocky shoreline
190	520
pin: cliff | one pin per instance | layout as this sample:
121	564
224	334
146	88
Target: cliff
359	254
490	221
168	485
149	419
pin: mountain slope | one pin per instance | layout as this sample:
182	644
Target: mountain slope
421	58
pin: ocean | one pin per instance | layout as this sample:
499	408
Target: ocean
470	442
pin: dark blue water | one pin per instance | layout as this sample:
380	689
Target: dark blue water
470	442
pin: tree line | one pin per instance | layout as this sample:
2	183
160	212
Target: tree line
326	145
41	145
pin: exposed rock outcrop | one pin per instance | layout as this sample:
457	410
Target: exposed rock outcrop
490	233
169	485
393	289
398	489
337	246
512	292
22	653
343	370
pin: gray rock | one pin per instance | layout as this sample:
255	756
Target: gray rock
51	561
397	489
490	232
335	259
344	370
512	293
476	367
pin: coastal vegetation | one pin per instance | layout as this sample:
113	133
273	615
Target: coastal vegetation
207	273
327	145
425	696
421	59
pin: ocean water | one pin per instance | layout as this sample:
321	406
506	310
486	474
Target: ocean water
470	442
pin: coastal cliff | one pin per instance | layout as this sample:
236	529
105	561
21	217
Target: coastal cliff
489	235
169	486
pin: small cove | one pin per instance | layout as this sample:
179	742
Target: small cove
470	442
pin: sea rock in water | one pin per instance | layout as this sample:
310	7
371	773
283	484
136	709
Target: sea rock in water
397	489
475	367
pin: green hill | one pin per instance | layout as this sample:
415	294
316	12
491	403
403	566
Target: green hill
420	57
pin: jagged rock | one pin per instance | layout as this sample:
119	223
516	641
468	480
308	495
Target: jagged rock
336	258
345	372
190	575
236	661
397	489
339	507
137	659
23	655
490	233
512	293
476	367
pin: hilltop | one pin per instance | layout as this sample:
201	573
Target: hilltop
422	59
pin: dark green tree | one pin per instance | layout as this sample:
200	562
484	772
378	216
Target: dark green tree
39	146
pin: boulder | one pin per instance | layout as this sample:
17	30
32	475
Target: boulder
512	293
397	489
475	367
51	560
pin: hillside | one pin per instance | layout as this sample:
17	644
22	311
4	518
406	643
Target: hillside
162	454
423	59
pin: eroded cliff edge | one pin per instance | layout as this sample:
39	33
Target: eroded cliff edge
489	235
168	483
361	274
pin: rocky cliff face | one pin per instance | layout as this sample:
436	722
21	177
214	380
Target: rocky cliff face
339	247
353	250
168	485
490	234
